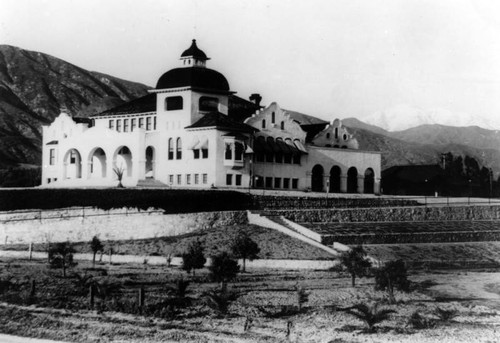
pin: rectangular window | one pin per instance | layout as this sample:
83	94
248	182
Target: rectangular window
52	157
269	182
111	124
171	179
125	125
154	123
148	123
259	182
141	123
277	182
286	183
205	179
238	180
238	151
173	103
208	104
134	124
204	153
295	183
196	179
118	125
179	179
188	179
228	155
196	154
229	179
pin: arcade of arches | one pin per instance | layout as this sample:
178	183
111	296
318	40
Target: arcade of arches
337	181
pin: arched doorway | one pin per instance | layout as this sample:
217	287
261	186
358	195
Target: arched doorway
150	162
123	160
317	178
98	163
335	179
369	180
72	164
352	180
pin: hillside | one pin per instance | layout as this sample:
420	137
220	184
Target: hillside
35	86
424	144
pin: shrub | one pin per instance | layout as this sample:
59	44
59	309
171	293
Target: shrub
193	258
220	300
61	256
245	248
392	275
223	269
445	315
370	314
355	262
96	246
417	321
302	296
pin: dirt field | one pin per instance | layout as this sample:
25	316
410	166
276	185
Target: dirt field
266	301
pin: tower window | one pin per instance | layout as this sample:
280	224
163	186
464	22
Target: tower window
282	125
134	124
263	123
336	132
111	124
208	104
179	149
170	149
273	118
141	123
125	125
52	157
148	123
118	125
173	103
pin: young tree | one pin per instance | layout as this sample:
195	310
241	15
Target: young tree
119	171
61	256
245	248
96	246
356	262
392	275
371	315
223	269
194	257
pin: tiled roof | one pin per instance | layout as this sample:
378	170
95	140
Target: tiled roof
143	104
221	121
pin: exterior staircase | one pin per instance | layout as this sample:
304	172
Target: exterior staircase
292	229
151	183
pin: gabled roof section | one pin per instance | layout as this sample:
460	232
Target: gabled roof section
143	104
222	122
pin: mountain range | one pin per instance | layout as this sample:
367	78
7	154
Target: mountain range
35	86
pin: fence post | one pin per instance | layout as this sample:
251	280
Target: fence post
142	297
30	250
91	296
33	288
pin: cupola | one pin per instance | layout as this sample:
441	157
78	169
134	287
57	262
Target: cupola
194	57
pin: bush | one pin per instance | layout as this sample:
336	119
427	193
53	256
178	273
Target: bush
61	256
355	262
417	321
245	248
193	258
223	269
392	275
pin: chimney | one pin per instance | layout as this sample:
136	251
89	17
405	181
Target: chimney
256	98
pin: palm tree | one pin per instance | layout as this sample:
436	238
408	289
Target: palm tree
371	315
119	171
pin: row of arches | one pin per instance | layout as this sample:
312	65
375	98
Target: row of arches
334	182
101	165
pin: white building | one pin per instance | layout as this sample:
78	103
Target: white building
191	132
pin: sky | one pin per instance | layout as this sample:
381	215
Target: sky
321	57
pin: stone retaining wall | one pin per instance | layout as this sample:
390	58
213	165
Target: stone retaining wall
390	214
81	224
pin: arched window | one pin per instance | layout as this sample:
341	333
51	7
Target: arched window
273	118
170	149
209	104
336	132
178	154
282	125
263	123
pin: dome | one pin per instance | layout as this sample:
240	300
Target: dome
194	77
194	52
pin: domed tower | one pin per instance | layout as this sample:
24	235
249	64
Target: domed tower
186	94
